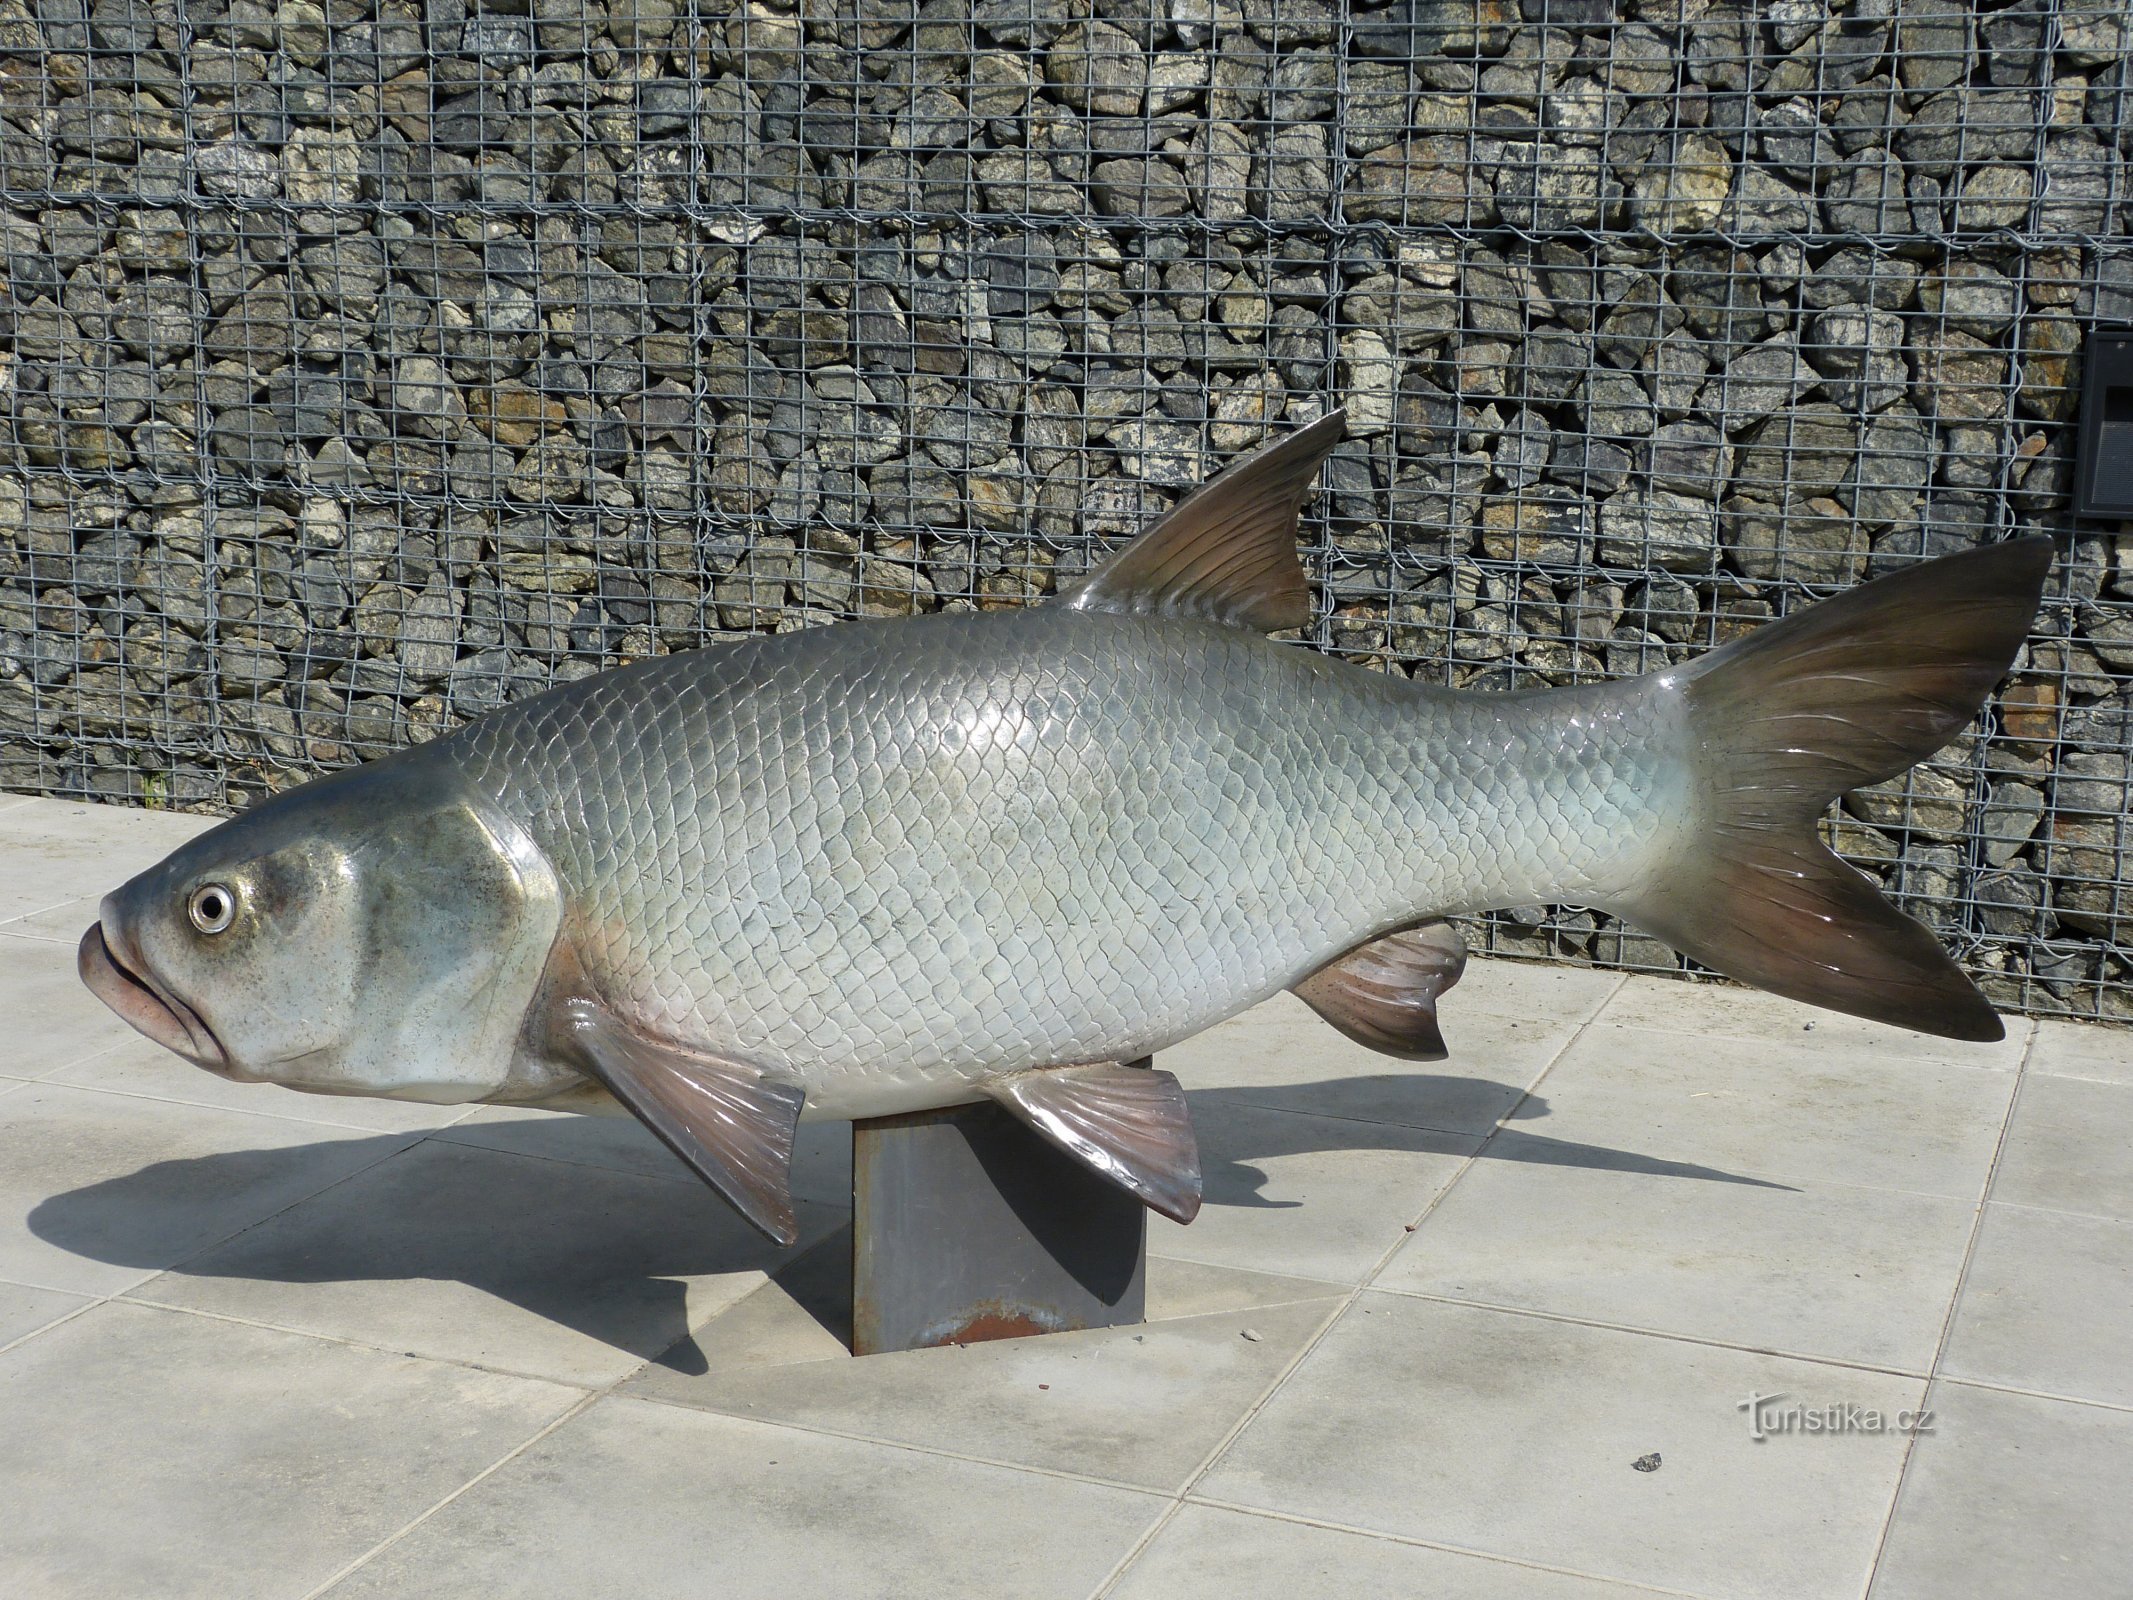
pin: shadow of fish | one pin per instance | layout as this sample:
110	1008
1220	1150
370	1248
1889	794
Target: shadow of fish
887	866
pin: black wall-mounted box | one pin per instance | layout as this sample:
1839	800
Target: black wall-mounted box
2103	448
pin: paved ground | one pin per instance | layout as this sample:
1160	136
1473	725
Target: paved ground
254	1343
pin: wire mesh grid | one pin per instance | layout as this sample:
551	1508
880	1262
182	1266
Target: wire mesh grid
365	364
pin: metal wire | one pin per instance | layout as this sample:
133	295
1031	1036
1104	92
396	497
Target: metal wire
365	364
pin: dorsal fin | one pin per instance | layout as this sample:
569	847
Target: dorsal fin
1228	553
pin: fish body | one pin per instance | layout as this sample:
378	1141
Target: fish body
887	866
894	857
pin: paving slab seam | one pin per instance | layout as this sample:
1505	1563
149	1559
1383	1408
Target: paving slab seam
2118	1217
32	935
411	1140
242	1111
74	1061
2035	1394
1672	1336
129	1298
680	1176
58	1321
1955	1300
1243	1097
480	1477
1332	1287
819	1430
1303	1353
1500	1559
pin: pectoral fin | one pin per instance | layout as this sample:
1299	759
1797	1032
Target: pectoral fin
1127	1123
723	1117
1383	994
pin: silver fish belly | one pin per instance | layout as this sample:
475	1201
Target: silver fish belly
893	859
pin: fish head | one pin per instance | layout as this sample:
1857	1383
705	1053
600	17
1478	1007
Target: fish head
380	932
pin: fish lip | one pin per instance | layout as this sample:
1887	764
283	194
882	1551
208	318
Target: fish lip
116	975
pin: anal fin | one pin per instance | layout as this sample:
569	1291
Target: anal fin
1383	994
728	1121
1128	1124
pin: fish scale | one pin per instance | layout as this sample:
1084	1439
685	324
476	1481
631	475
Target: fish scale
886	861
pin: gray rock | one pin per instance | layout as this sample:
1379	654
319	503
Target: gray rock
2094	33
1802	453
1970	296
1095	67
1969	125
1895	463
1761	380
1522	450
1616	404
1295	180
1924	801
1690	458
1860	356
1867	196
1596	466
1658	528
2012	812
1995	197
1798	540
248	441
1933	43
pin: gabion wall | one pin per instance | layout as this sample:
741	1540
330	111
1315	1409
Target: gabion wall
367	363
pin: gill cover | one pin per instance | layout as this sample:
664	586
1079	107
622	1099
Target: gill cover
460	910
390	930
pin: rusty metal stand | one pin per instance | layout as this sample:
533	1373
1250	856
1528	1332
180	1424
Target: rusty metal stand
966	1226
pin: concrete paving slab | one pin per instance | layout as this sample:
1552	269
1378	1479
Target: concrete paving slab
1726	1011
54	1019
1282	1054
1142	1406
2083	1050
1210	1553
24	1310
636	1501
1790	1112
1516	1436
60	850
140	1067
99	1191
1861	1275
60	924
1310	1197
1536	989
2070	1147
2012	1497
563	1271
154	1453
2048	1305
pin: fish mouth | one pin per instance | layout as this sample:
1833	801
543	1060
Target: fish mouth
122	983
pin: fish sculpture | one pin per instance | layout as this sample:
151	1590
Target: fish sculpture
892	865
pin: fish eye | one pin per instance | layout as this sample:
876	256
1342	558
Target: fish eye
211	907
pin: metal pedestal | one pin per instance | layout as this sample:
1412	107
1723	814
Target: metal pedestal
966	1226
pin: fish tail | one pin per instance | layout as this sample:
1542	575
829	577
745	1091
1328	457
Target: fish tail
1845	693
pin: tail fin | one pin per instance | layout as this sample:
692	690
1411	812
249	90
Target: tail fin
1850	692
